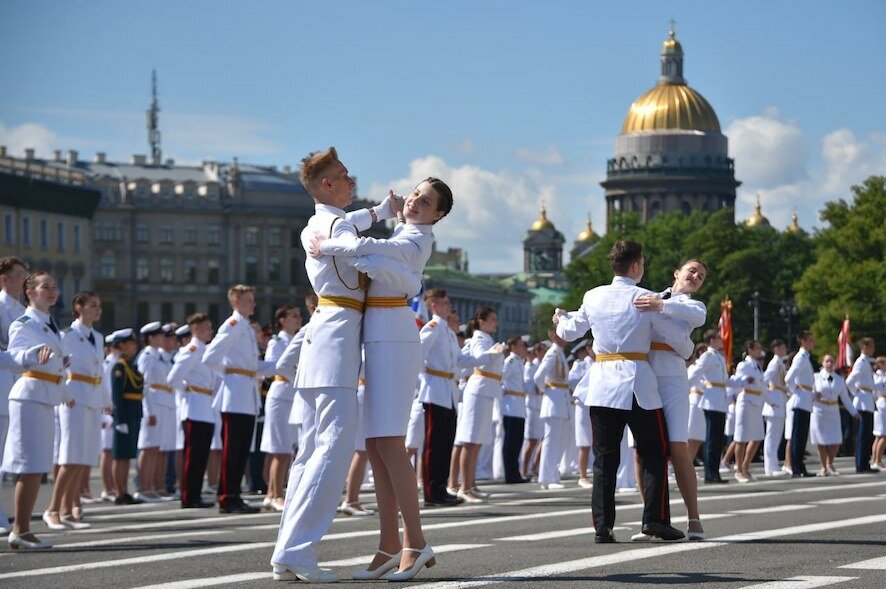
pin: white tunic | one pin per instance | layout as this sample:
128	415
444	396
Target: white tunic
861	383
800	380
608	311
825	427
513	402
533	395
280	389
775	393
491	362
86	360
440	353
710	368
197	381
685	313
552	377
157	393
26	332
10	310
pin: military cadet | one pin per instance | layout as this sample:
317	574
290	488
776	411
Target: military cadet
748	411
107	437
158	415
198	383
28	450
552	378
880	416
861	384
623	389
775	396
534	428
800	380
257	463
584	438
127	397
696	431
279	437
287	366
513	408
825	429
169	485
327	374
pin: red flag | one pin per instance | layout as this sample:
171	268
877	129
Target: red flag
725	325
844	347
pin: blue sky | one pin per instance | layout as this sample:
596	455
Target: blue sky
511	102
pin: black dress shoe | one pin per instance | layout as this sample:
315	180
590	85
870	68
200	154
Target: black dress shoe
240	507
126	499
606	537
198	505
866	471
518	481
715	481
802	475
445	501
664	531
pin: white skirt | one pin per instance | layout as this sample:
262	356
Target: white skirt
730	420
748	422
80	434
825	428
360	437
788	422
278	435
4	429
534	428
107	432
28	448
415	431
697	426
161	435
675	403
391	376
179	429
584	437
880	421
475	422
57	439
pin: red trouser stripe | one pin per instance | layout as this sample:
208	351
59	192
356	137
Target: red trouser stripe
222	477
187	466
426	458
664	448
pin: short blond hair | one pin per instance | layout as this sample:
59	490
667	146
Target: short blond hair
314	166
238	290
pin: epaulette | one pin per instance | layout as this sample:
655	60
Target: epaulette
118	372
192	348
431	324
232	322
23	319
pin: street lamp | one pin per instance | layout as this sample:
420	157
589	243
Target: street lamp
755	303
789	310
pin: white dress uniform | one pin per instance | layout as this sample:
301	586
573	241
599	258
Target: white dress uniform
442	361
81	424
415	430
697	425
584	437
799	380
880	415
108	420
484	386
390	335
825	428
670	367
513	403
279	436
159	401
552	376
749	402
534	429
33	396
775	397
10	310
197	382
711	367
861	384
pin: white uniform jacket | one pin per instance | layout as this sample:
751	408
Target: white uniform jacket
48	386
618	328
287	363
440	354
710	368
800	380
533	395
684	312
154	369
880	388
282	387
486	378
107	367
579	377
233	354
10	310
513	401
775	393
830	386
750	385
861	383
86	369
552	376
196	380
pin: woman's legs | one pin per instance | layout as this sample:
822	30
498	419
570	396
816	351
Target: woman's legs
277	474
823	458
455	466
64	479
832	454
528	458
584	458
687	482
26	490
469	455
212	468
355	476
105	463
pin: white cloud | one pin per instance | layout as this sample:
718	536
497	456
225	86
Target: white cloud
549	157
222	136
768	151
29	135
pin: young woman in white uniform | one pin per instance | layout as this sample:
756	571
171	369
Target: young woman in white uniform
748	411
107	437
880	415
28	450
697	425
584	437
393	359
825	429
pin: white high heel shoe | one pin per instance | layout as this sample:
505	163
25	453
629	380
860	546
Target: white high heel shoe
368	575
694	536
69	522
426	558
56	527
16	542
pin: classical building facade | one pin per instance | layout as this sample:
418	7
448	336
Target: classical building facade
671	154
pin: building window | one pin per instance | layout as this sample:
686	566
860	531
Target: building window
77	243
142	233
60	237
142	270
165	311
274	237
143	311
109	315
190	235
166	234
212	272
9	229
297	273
251	236
166	270
213	313
251	273
190	309
274	269
190	272
212	235
107	232
108	267
44	234
26	231
295	238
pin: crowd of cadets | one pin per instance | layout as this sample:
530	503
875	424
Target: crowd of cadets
171	397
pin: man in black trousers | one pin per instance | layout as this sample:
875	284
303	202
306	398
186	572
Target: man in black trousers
513	408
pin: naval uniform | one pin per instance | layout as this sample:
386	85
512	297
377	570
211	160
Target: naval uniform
711	367
578	381
81	424
127	396
697	425
552	377
159	402
825	428
32	398
749	402
484	386
279	436
880	415
10	310
622	390
775	396
861	383
513	411
800	380
534	428
287	367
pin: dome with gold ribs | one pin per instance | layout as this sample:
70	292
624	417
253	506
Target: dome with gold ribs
588	233
757	219
542	222
794	227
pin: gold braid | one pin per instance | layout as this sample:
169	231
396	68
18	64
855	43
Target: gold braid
362	279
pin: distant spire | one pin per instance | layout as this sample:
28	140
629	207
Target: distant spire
154	123
795	225
671	59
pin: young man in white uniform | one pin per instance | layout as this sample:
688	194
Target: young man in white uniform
800	381
775	396
861	384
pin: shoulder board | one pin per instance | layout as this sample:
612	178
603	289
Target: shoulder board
232	322
118	372
431	324
23	319
120	360
192	348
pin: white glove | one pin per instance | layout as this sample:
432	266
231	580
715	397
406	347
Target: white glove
122	428
385	210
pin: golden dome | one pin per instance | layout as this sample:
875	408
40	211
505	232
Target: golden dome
587	234
671	106
671	43
757	219
795	226
542	222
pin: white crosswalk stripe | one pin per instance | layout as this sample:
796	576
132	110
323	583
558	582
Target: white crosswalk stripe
873	564
800	583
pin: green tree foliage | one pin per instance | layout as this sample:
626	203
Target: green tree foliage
849	273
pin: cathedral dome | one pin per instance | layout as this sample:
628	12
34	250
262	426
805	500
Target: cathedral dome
588	233
757	219
542	222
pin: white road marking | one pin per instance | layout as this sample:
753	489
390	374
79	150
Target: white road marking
874	564
800	583
773	509
843	500
212	581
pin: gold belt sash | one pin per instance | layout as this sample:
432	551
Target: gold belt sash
634	356
776	387
662	347
133	396
865	389
491	375
361	382
804	387
162	387
716	385
386	302
828	403
440	373
44	376
557	385
93	380
696	391
750	392
249	373
515	393
280	378
201	390
344	302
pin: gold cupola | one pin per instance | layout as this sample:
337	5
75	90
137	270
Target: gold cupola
542	222
757	219
794	226
671	104
588	233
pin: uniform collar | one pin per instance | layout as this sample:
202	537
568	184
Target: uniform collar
624	280
10	300
78	325
239	317
38	314
423	229
321	208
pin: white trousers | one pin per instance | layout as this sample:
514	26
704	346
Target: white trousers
4	427
771	441
318	474
498	462
552	447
